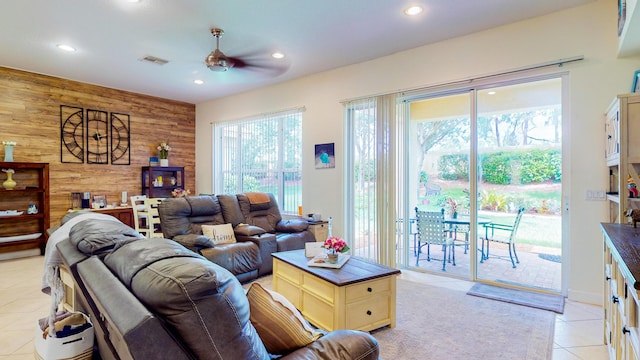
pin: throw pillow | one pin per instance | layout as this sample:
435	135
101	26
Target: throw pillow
220	234
278	323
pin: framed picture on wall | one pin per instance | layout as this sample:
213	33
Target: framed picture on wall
324	156
622	15
635	87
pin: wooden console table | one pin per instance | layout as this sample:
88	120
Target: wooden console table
360	296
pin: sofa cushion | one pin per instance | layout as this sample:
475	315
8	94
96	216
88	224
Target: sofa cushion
231	209
97	236
265	215
184	215
203	303
220	234
280	325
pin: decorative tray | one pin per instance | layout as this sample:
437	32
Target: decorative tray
10	213
321	261
19	237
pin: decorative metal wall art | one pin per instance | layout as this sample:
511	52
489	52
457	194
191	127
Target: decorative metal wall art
94	135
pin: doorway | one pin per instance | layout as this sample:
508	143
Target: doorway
482	155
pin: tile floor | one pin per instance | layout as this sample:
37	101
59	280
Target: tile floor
578	333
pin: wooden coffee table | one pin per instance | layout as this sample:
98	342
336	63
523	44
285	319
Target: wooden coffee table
361	295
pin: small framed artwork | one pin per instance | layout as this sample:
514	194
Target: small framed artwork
325	156
635	87
99	202
622	15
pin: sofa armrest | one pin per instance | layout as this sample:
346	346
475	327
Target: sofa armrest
292	226
248	230
267	244
194	241
339	344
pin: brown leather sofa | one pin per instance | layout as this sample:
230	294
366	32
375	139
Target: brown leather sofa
257	222
155	299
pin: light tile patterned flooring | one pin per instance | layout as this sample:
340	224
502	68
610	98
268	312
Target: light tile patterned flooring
578	332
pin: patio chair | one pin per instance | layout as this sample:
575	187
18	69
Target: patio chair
463	230
505	234
431	230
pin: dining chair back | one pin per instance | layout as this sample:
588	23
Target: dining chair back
431	230
153	221
140	214
504	234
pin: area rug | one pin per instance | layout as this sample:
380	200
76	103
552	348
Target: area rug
438	323
537	300
552	258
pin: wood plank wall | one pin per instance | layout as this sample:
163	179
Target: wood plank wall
30	115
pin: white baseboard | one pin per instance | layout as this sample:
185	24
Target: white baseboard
585	297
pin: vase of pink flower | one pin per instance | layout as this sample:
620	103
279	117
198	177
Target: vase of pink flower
334	246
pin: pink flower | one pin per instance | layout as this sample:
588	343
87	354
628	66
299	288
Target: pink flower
336	244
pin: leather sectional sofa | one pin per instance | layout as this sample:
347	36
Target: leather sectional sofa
156	299
257	223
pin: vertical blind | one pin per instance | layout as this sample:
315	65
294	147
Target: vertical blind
262	153
375	184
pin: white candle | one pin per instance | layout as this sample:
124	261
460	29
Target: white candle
124	197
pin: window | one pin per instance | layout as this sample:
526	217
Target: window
262	153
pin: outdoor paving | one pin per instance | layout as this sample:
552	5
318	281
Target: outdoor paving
532	271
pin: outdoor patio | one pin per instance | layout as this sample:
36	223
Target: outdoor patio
539	267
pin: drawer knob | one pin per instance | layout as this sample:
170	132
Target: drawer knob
625	330
615	299
369	289
368	312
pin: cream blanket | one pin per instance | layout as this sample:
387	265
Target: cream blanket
51	282
52	261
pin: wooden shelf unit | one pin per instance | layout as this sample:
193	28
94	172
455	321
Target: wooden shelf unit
622	153
150	173
32	188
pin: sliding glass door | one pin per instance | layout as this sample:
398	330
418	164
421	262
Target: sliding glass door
439	176
486	159
519	187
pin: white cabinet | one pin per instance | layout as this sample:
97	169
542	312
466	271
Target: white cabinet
622	152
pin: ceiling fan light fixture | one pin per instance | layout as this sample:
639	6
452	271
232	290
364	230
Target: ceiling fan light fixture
217	61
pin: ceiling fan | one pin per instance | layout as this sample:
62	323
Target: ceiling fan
217	61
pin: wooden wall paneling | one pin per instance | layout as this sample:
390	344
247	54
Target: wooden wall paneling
30	115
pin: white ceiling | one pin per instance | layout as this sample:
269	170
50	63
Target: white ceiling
112	35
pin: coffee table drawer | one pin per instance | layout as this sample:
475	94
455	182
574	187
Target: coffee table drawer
368	289
288	272
319	288
367	314
318	312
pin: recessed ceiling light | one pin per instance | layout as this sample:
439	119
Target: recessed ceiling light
198	81
413	10
66	47
277	55
491	93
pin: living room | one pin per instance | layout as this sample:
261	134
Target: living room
30	115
